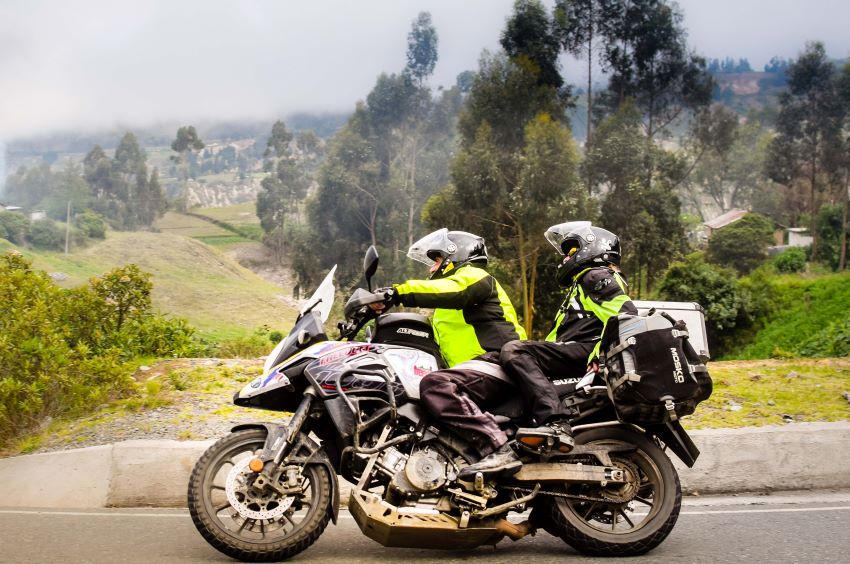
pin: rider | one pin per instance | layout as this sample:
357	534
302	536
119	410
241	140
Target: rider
473	318
597	292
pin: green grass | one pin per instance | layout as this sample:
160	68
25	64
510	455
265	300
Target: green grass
805	389
224	241
238	214
188	226
220	298
803	306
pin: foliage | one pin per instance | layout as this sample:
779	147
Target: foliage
791	260
529	38
282	190
186	143
828	223
45	234
91	224
257	344
743	244
648	60
379	170
121	189
717	290
645	215
728	159
802	316
806	149
729	65
422	48
28	187
64	351
580	26
14	227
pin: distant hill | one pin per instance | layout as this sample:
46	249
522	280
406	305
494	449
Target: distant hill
219	297
749	91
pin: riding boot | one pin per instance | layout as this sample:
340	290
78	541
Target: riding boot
503	461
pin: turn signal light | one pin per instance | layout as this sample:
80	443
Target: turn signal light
256	465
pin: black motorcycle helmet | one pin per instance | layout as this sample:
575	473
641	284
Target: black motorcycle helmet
583	246
456	248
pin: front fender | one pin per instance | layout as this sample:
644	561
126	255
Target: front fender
274	430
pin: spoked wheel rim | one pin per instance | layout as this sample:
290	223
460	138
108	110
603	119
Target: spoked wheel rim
630	507
250	517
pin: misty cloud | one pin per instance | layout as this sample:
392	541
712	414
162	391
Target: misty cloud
95	63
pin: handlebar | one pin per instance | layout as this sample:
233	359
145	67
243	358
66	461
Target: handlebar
357	310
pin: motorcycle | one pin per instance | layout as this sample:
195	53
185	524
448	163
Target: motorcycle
267	491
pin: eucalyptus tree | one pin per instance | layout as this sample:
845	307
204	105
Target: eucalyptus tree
808	129
186	142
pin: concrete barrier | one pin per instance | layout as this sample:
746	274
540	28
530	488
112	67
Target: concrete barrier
72	478
156	473
152	473
792	457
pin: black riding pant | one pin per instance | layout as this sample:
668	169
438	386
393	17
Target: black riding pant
456	397
534	364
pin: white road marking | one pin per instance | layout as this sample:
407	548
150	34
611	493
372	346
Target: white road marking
348	516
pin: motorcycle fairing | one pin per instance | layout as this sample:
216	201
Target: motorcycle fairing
276	378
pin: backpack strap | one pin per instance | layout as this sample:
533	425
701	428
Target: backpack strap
613	351
627	377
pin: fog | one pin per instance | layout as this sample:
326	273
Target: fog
91	64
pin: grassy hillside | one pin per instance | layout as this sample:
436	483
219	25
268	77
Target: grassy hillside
808	317
219	297
241	216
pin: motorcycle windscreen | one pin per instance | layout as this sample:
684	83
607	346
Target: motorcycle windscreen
321	301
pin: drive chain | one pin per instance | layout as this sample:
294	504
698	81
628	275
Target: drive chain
578	497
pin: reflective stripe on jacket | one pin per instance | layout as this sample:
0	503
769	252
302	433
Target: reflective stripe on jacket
472	313
597	295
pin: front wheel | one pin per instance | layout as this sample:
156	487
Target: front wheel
246	525
618	520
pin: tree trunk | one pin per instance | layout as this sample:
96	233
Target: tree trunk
412	193
842	261
523	277
588	140
529	325
813	181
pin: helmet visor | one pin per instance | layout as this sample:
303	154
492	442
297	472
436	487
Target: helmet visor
569	233
433	245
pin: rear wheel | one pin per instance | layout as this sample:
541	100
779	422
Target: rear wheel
248	525
621	519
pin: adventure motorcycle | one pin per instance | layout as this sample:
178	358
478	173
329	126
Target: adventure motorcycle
267	491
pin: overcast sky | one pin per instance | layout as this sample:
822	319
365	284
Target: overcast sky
86	64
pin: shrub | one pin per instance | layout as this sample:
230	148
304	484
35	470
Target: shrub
828	225
741	245
254	345
91	224
791	260
45	234
717	290
15	226
65	351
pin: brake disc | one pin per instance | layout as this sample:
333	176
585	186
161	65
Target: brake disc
248	503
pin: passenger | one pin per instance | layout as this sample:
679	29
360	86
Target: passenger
597	292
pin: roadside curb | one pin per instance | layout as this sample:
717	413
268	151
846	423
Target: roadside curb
155	473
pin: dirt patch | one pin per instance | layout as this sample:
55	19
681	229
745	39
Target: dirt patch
182	399
257	258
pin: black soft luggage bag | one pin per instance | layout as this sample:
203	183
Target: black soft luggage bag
652	372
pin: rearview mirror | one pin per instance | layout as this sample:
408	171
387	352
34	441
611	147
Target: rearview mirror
370	264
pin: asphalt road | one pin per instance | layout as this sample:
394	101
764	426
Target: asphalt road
800	528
